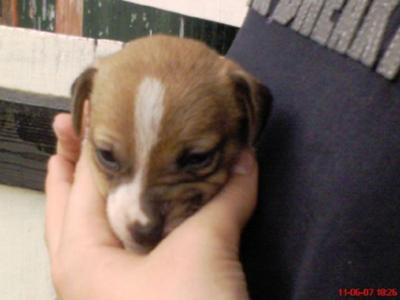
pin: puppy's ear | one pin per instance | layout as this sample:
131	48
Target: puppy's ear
255	100
80	91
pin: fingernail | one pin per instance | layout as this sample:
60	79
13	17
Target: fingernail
245	163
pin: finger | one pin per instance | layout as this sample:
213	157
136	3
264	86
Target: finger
86	218
229	211
57	186
68	143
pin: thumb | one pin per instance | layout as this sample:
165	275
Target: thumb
228	212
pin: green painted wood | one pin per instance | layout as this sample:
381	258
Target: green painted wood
37	14
125	21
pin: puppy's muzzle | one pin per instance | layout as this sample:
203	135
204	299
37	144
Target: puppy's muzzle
147	236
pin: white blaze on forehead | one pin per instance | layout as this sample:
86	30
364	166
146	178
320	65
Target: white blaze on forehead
149	109
124	206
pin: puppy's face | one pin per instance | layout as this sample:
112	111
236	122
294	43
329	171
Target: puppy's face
168	118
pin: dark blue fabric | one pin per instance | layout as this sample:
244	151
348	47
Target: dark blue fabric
328	215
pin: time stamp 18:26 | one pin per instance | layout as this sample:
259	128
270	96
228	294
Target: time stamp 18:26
368	292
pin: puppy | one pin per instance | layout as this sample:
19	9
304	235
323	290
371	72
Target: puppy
167	120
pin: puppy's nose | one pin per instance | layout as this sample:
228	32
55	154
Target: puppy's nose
148	235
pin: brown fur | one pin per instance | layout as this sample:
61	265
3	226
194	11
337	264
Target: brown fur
210	102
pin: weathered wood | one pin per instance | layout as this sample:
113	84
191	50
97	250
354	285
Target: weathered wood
37	14
40	61
126	21
8	12
26	136
230	12
44	62
69	17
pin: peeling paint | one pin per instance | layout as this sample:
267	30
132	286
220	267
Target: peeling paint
44	10
181	27
52	12
32	9
37	14
127	21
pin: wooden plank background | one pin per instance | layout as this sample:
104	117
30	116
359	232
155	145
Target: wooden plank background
222	11
38	14
38	66
69	17
9	13
125	20
118	20
46	63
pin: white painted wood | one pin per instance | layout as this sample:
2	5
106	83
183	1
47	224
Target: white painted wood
44	62
231	12
107	47
40	61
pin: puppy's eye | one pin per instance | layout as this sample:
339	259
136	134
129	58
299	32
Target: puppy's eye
196	160
107	159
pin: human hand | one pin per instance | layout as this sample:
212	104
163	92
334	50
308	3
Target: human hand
198	260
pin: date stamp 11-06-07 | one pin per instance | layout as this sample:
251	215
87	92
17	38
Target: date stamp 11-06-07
368	292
